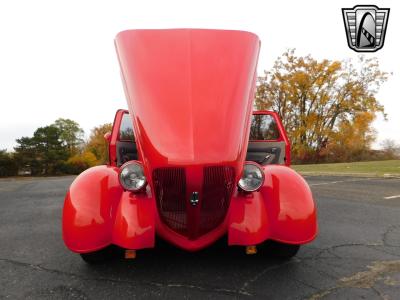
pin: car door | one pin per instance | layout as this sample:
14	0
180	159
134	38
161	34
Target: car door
122	145
268	142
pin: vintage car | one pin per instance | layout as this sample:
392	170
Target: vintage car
190	162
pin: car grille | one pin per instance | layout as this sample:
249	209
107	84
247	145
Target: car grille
218	183
170	188
173	205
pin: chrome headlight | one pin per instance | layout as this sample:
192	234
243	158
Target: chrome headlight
252	177
131	176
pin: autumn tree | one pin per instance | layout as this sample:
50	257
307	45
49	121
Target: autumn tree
319	101
352	139
80	162
97	144
70	133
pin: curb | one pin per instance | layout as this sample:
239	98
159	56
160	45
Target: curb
31	178
373	175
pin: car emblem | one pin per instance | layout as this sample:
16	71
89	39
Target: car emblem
365	27
194	199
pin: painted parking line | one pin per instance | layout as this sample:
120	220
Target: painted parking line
340	181
392	197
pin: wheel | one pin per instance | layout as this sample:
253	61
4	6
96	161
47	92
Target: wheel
281	250
98	257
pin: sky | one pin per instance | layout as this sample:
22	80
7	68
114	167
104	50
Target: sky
57	58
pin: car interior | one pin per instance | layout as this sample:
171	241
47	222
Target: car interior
266	153
126	144
264	147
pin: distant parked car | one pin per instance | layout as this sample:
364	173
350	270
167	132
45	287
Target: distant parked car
25	171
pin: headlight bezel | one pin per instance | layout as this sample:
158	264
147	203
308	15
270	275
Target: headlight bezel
262	178
126	166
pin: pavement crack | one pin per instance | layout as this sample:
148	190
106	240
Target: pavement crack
307	284
321	272
201	288
379	294
373	246
385	236
120	281
378	271
259	274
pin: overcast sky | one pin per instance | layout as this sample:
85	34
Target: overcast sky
57	58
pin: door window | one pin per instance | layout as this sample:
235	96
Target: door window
126	129
263	128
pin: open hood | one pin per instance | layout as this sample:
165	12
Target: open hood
189	92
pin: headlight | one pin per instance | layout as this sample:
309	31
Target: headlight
252	177
131	176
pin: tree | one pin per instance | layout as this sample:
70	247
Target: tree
8	165
352	140
25	154
80	162
70	133
318	99
44	153
97	144
391	149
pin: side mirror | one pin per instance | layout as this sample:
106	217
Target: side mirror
107	137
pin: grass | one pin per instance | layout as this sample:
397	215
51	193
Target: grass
367	168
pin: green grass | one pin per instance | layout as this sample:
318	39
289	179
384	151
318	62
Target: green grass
368	168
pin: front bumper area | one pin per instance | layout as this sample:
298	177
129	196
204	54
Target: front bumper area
97	213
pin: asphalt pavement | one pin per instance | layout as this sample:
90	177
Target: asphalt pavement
356	255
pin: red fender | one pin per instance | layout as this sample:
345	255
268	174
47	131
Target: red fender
282	210
97	213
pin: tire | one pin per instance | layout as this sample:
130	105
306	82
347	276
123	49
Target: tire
281	250
98	257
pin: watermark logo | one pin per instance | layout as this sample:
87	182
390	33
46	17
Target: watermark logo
365	27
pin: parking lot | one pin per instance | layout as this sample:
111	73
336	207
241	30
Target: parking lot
356	255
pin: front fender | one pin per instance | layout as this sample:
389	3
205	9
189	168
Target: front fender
98	212
282	210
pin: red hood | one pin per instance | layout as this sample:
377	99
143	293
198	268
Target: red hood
190	93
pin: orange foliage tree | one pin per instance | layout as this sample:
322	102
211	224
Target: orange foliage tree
97	144
327	106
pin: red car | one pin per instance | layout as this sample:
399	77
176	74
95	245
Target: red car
190	161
